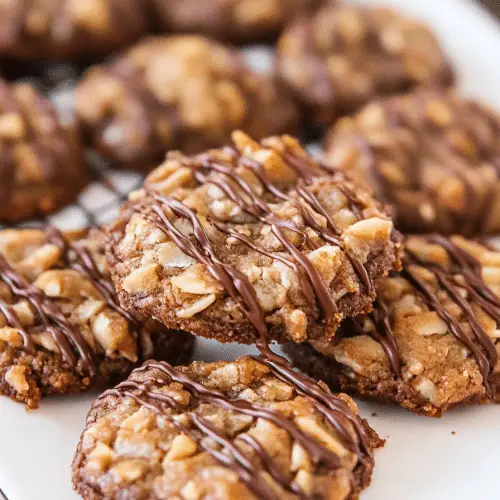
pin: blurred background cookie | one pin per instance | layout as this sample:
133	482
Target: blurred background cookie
433	155
232	20
343	56
180	92
42	167
68	29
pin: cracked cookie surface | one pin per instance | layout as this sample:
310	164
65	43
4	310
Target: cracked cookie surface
42	167
68	29
344	56
432	341
222	430
61	328
433	155
253	240
179	92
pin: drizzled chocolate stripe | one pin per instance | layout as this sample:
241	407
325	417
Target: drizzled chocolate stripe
465	265
82	261
332	408
54	321
383	333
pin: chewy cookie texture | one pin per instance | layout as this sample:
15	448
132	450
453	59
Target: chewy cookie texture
181	92
222	430
61	328
432	340
257	239
234	20
41	160
68	29
431	154
344	56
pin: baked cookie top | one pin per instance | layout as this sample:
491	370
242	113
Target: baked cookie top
232	20
61	327
255	240
344	56
69	29
433	155
222	430
41	160
179	92
432	339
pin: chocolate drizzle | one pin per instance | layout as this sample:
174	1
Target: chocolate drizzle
54	321
464	273
79	258
335	411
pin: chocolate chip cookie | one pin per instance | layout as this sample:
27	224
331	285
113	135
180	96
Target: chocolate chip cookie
223	430
345	56
234	20
69	29
252	241
433	155
61	327
181	92
42	166
432	341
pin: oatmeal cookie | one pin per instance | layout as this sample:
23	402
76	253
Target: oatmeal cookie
234	20
345	56
69	29
432	341
254	240
225	430
181	92
433	155
42	166
61	327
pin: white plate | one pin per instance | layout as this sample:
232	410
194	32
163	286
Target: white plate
422	459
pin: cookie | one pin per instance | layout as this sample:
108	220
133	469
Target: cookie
230	20
223	430
69	29
433	155
182	92
61	327
345	56
256	240
42	166
432	341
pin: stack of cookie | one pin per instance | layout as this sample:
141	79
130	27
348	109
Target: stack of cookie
371	266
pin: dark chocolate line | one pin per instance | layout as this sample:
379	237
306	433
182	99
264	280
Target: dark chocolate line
53	319
84	264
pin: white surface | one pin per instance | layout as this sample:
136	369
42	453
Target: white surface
422	458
